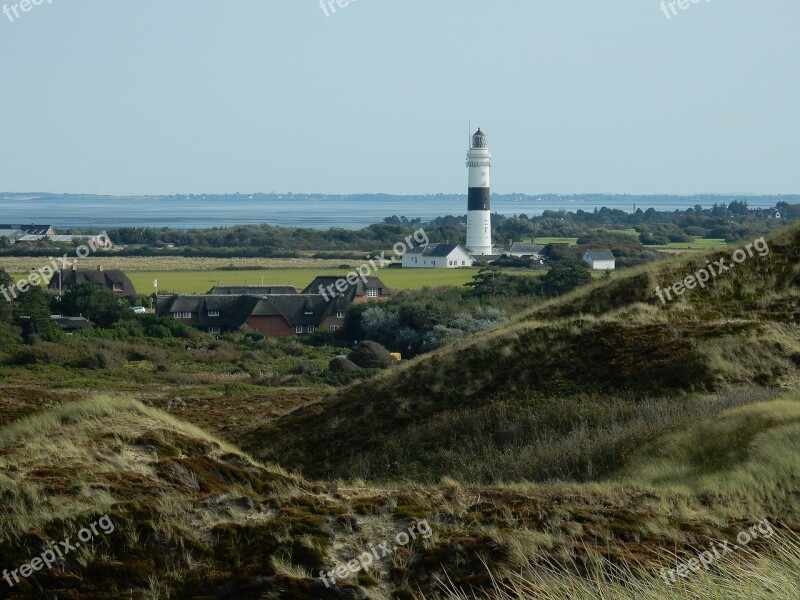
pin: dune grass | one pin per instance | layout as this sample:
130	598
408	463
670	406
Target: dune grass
62	440
744	462
43	425
736	469
170	481
771	574
572	438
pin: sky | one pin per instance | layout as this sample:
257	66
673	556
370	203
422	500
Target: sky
575	96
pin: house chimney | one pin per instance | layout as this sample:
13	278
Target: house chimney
74	267
100	267
510	241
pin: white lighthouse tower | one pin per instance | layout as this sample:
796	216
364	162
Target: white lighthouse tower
479	218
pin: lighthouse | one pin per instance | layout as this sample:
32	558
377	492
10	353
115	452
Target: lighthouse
479	218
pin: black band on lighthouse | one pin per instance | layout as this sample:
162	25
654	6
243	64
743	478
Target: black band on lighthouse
478	199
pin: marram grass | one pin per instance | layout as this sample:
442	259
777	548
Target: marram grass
773	573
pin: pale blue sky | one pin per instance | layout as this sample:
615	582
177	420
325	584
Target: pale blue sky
174	96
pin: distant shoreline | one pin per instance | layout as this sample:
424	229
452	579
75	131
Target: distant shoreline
318	211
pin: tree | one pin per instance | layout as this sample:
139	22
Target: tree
738	207
6	283
9	333
561	279
490	281
99	306
31	311
380	325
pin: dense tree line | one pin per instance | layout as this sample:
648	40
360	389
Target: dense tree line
732	222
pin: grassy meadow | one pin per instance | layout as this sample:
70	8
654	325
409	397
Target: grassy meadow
172	263
198	275
194	282
697	245
196	517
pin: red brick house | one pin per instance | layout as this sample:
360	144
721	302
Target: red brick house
275	315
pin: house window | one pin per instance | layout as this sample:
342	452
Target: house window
311	328
335	327
298	329
213	313
341	315
214	330
373	292
433	263
463	262
183	315
117	287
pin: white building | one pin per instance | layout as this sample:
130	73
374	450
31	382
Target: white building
437	256
520	250
600	260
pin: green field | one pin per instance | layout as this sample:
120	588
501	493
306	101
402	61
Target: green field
557	240
697	244
198	282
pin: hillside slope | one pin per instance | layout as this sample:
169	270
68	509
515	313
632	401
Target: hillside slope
177	498
195	518
612	342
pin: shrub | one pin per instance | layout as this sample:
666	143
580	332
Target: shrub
371	355
10	335
54	334
342	364
306	367
103	359
293	348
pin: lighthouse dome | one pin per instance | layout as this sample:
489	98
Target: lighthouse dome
479	139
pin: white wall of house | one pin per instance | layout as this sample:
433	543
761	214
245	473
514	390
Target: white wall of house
599	265
603	265
457	259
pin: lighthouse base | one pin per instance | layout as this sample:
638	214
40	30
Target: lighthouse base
479	232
